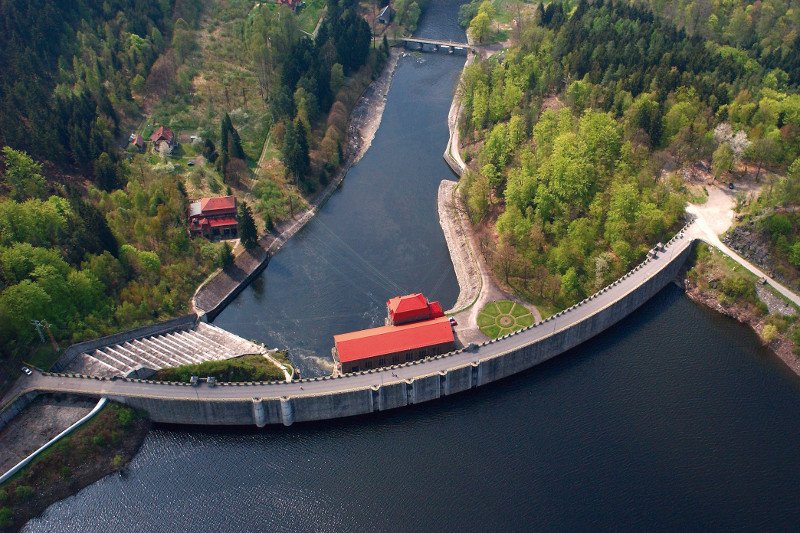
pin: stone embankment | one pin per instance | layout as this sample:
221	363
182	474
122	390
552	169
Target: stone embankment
391	387
475	279
224	285
465	262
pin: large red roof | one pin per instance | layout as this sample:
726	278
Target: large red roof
224	221
162	132
392	339
218	203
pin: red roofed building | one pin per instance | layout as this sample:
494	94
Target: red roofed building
163	140
213	217
392	345
293	4
137	141
415	328
411	308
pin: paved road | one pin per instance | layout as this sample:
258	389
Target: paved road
122	388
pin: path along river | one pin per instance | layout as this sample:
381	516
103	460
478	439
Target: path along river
674	418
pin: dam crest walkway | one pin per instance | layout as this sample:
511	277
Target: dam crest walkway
369	391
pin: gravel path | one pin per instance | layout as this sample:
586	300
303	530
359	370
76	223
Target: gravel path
714	218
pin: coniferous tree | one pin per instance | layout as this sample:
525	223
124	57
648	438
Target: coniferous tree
247	227
225	255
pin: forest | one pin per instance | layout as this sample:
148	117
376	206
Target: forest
93	238
575	136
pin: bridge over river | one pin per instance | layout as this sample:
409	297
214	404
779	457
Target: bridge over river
391	387
436	43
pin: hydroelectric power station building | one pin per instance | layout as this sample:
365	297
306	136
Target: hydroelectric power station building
415	328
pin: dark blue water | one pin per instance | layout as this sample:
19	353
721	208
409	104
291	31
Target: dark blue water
675	419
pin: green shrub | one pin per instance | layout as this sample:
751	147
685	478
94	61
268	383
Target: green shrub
99	440
769	333
125	416
796	340
5	516
777	225
737	287
3	495
23	492
117	461
66	472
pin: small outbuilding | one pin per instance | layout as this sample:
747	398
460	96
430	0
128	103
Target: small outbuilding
411	308
386	15
137	141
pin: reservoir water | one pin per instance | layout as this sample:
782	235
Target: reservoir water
377	237
676	418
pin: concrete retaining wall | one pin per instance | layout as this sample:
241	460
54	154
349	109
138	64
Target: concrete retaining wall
176	324
424	388
15	407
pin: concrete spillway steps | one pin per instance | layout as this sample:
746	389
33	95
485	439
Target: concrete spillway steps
203	342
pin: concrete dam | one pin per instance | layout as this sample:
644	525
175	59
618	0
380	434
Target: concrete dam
396	386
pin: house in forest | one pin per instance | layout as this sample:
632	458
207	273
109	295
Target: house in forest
213	217
163	140
137	141
291	4
386	15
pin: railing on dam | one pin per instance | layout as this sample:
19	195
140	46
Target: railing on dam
396	386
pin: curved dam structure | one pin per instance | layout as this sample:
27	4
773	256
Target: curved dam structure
388	388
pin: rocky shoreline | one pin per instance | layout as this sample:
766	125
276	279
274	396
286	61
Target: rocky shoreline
782	347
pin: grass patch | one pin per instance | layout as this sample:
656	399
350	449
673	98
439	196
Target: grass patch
43	357
503	317
253	367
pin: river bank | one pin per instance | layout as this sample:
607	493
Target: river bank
224	284
103	446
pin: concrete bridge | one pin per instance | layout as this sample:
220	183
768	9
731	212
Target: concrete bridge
387	388
435	43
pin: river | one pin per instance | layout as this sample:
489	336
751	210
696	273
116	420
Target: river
676	418
377	237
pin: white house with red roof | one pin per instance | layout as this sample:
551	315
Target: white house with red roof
163	140
213	217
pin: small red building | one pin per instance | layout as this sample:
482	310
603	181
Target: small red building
213	217
411	308
415	328
292	4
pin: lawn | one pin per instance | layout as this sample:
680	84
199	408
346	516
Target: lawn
245	368
503	317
